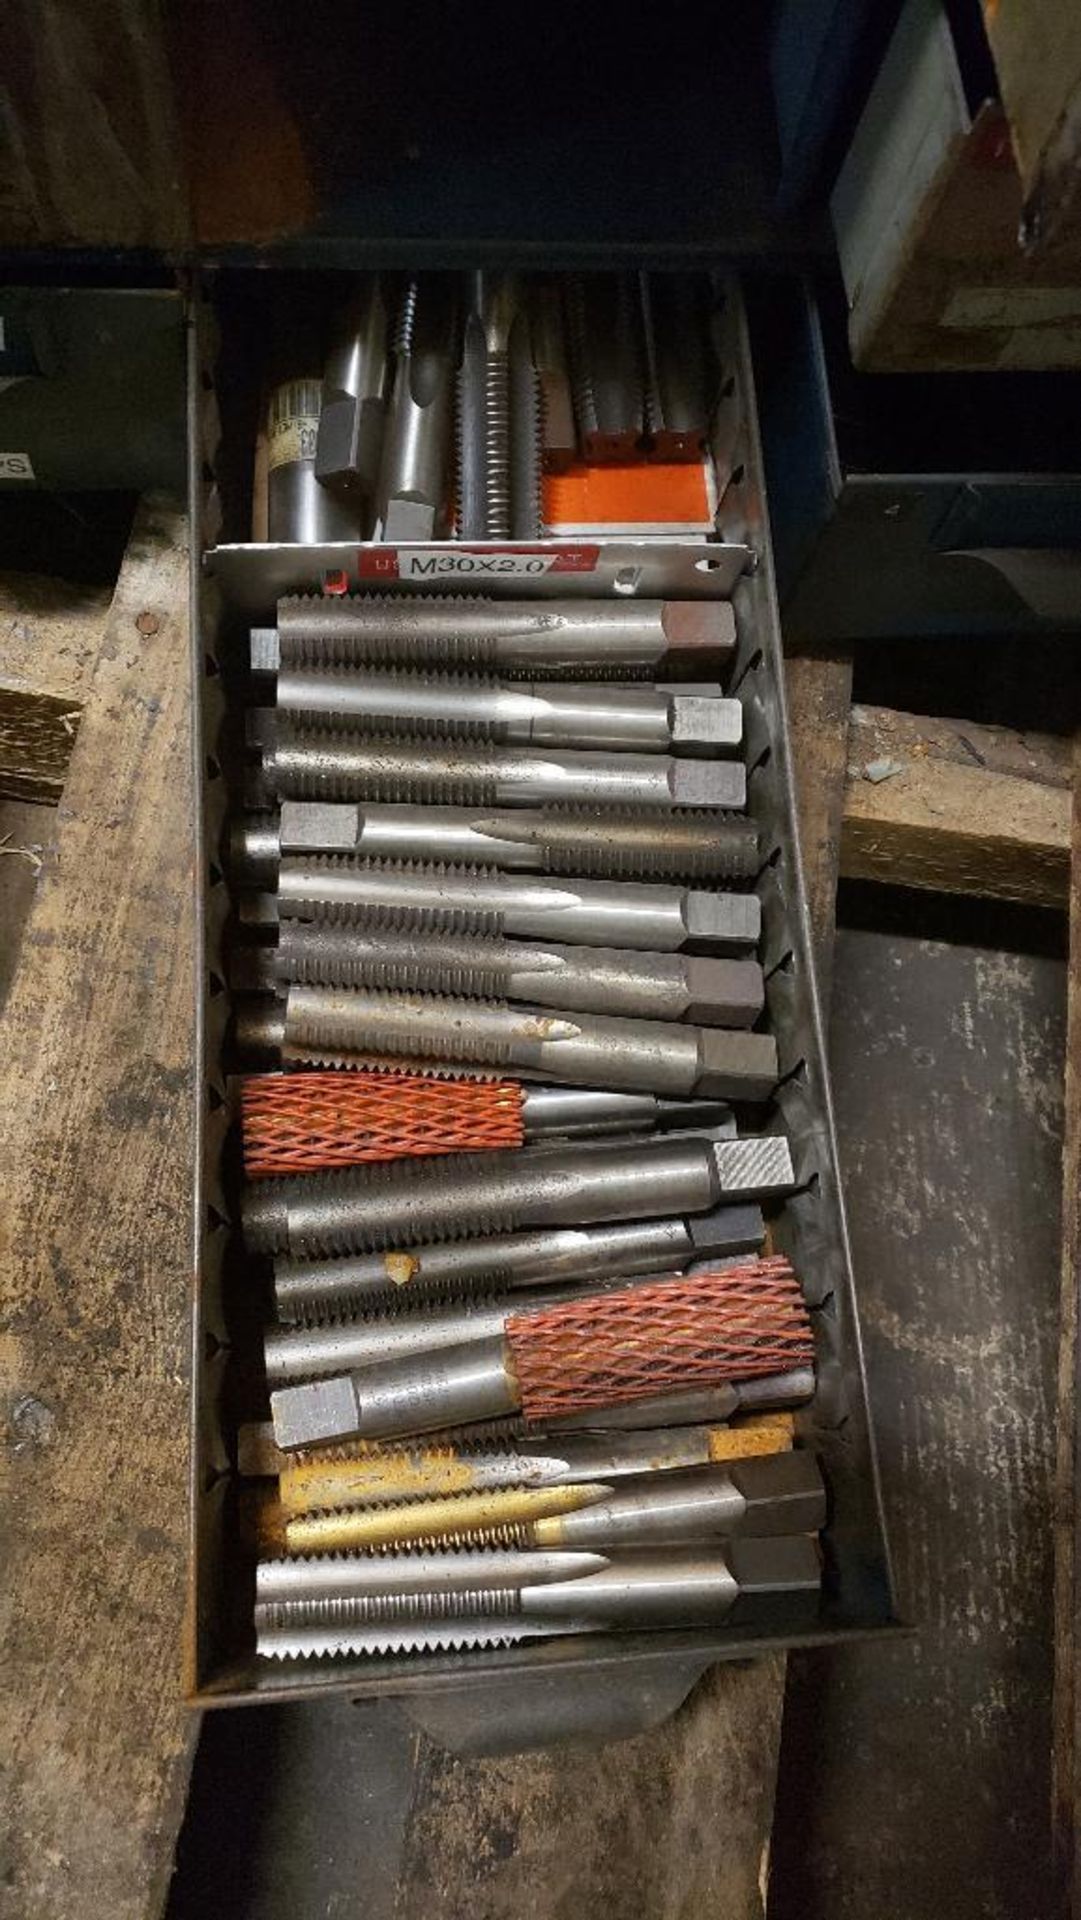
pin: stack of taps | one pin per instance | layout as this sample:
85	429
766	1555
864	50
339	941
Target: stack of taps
436	403
506	1128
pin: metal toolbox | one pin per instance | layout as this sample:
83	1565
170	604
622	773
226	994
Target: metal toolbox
593	1685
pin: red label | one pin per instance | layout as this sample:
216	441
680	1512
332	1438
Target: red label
378	563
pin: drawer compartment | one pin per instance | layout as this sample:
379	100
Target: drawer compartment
587	1682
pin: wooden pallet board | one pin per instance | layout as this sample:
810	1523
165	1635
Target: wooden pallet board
951	807
96	1166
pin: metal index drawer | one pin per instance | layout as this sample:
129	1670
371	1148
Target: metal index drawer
587	1684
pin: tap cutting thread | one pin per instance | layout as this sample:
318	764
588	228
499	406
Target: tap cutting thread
667	1058
572	639
310	763
457	1516
601	843
480	900
494	1603
497	525
723	993
365	1209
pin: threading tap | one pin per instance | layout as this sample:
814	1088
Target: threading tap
307	1290
698	722
666	986
368	1208
602	1350
413	476
599	843
579	639
747	1580
676	1060
306	762
781	1493
350	438
606	364
587	913
370	1474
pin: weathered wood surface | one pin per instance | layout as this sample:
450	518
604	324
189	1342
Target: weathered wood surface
95	1166
973	810
1066	1767
50	631
818	689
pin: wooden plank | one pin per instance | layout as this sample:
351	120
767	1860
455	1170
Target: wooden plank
818	690
881	732
1066	1725
972	810
678	1820
95	1161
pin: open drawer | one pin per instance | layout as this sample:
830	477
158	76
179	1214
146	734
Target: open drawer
586	1685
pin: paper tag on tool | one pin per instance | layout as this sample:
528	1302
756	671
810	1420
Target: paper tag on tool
293	422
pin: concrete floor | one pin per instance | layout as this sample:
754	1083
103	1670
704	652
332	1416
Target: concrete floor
914	1778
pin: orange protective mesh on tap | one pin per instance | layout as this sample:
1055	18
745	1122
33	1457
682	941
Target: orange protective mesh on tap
699	1331
307	1122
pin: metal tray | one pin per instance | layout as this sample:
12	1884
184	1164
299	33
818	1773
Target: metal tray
592	1686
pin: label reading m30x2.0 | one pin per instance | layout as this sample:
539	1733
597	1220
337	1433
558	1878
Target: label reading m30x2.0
454	562
293	422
